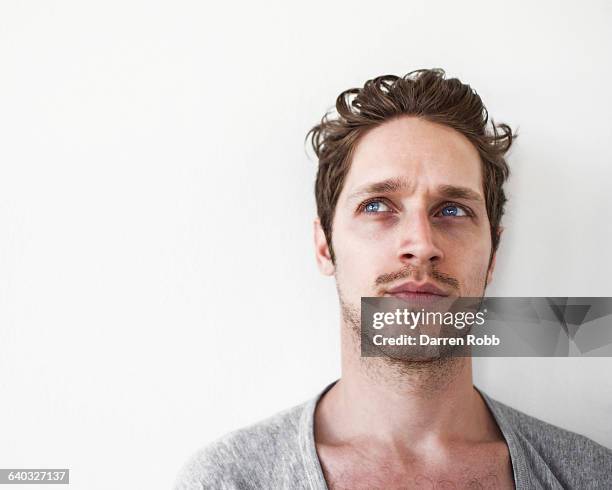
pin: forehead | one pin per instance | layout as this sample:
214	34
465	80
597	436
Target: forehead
423	152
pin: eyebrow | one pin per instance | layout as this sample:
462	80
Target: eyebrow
389	186
458	192
398	184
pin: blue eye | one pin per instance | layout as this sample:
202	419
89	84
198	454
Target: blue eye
453	210
375	207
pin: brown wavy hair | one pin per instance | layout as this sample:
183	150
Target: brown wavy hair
427	94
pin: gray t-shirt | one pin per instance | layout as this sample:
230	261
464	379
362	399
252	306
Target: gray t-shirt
280	453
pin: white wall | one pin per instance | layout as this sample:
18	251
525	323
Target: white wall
153	176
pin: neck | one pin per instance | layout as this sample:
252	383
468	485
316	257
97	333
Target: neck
400	406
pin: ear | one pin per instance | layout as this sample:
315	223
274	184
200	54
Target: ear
500	230
324	261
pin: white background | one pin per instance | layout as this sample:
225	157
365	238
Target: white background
157	277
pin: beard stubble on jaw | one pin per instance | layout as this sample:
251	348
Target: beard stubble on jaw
428	375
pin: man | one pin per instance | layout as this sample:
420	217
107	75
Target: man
410	198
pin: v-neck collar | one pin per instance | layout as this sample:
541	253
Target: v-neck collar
314	471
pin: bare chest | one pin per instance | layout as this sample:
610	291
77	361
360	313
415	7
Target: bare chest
346	468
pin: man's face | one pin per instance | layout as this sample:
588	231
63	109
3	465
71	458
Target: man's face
412	210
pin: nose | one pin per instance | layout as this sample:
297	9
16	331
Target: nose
417	243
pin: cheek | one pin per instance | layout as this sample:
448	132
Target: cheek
372	229
375	236
461	233
463	239
474	283
364	238
467	258
362	253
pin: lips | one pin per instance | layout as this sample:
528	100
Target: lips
413	290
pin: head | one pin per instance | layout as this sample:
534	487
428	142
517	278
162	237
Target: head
409	186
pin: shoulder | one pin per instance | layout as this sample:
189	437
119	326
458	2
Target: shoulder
571	457
257	456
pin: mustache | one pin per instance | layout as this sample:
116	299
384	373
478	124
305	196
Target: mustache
410	271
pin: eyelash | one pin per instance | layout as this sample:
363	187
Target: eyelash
467	210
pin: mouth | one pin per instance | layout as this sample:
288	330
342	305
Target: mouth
414	295
412	290
419	294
